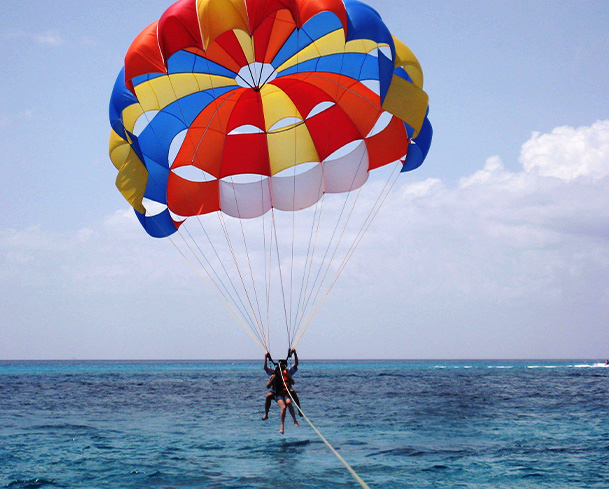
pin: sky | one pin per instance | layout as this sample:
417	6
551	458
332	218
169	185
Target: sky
497	247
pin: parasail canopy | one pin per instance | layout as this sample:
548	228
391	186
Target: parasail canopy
246	116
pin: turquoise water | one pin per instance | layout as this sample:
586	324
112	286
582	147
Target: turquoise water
433	424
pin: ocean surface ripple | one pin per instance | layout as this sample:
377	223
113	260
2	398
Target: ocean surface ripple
400	424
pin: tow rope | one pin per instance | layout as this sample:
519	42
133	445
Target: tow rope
343	461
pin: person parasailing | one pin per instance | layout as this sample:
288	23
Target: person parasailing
280	383
271	393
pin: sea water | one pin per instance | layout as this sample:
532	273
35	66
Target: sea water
399	424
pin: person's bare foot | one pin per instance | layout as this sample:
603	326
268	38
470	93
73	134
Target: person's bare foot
296	423
281	430
266	416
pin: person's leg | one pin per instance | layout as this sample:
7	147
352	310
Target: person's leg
267	405
296	400
291	408
281	404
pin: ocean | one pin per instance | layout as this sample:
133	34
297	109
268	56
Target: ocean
399	424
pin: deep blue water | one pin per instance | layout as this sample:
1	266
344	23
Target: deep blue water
435	424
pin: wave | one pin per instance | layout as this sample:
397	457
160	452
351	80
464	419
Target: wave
577	365
30	483
559	365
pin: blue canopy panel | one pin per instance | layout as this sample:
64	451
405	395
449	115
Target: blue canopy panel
419	147
402	73
135	146
353	65
120	99
156	185
155	140
409	130
315	28
146	77
321	25
181	62
363	22
159	226
187	62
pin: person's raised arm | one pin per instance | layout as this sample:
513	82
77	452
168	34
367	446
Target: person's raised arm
295	357
266	367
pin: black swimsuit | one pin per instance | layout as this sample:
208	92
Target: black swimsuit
280	390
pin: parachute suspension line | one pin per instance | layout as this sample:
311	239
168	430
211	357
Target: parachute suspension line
243	318
313	234
302	310
315	225
240	319
304	284
254	326
294	210
375	209
346	223
290	323
224	227
249	263
305	302
256	79
195	149
229	307
359	480
314	230
370	218
267	264
242	310
342	233
266	282
316	287
257	319
243	307
226	304
267	278
270	264
238	268
285	311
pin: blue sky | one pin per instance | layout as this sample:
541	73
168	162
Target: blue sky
498	244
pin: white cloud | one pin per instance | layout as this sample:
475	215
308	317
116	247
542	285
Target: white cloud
421	189
568	153
27	114
6	120
49	38
523	251
90	259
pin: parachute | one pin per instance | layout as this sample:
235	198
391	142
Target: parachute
261	137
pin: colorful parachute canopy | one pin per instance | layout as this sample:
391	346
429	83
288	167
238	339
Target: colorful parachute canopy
244	105
235	109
